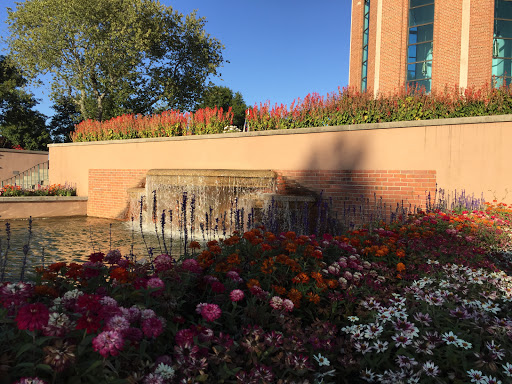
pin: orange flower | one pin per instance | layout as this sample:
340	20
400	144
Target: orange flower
270	236
332	284
400	253
266	247
268	266
205	259
232	240
313	297
400	267
215	249
279	290
120	274
290	235
44	290
253	282
316	275
301	278
294	295
56	267
234	258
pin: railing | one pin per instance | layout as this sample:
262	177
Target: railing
31	178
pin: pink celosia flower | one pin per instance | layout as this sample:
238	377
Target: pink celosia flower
210	312
32	316
153	326
276	302
236	295
108	343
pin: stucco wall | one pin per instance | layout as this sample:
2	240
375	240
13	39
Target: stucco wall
13	160
466	153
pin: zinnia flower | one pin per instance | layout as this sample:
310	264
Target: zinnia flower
30	380
32	316
153	326
156	283
210	312
236	295
108	343
162	263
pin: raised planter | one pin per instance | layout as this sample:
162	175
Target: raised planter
42	206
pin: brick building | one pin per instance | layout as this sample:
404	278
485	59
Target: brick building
430	43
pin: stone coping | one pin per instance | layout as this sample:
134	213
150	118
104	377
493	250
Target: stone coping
212	173
338	128
36	199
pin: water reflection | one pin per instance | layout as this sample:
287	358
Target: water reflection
71	239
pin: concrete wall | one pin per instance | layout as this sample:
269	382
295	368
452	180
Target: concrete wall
42	206
465	153
13	160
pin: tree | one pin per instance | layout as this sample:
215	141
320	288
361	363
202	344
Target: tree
114	56
20	124
63	122
220	96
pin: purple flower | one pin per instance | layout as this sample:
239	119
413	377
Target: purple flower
113	256
30	380
108	343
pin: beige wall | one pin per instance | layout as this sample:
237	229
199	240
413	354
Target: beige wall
50	206
12	160
467	153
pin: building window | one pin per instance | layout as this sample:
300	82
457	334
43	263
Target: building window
420	44
366	28
502	43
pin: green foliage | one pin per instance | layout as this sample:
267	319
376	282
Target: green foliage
223	97
20	124
114	56
63	122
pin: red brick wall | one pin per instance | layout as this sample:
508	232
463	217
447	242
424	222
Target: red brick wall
107	191
108	196
481	32
356	43
447	44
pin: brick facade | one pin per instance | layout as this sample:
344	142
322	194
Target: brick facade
387	54
108	195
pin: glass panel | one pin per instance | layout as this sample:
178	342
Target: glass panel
503	28
421	15
421	34
501	67
366	22
417	3
421	85
364	70
363	84
503	9
365	54
421	70
365	39
420	52
504	48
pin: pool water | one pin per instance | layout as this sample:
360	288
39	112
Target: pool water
71	239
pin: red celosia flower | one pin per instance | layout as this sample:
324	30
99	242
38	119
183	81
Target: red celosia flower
32	316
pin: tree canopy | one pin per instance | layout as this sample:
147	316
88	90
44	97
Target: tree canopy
114	56
219	96
20	124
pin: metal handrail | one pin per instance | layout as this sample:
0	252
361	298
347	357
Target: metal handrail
30	178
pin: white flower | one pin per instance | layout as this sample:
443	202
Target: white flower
507	369
430	369
353	318
464	344
322	360
450	338
380	346
165	371
476	376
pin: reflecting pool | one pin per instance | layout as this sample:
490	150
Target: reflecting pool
72	239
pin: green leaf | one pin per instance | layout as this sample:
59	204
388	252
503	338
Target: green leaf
24	348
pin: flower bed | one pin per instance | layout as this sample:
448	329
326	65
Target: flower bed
346	106
427	300
51	190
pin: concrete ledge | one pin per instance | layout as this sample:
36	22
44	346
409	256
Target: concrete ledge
338	128
42	206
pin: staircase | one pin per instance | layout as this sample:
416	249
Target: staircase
31	178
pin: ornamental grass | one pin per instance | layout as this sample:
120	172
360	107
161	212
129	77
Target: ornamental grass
425	300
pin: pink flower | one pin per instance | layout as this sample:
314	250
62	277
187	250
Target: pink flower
117	323
108	343
191	265
217	287
236	295
30	380
113	256
32	316
156	283
185	336
234	276
163	262
210	312
276	302
153	326
287	305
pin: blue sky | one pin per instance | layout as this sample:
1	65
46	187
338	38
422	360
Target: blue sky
278	50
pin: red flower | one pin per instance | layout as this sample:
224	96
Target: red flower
32	316
97	256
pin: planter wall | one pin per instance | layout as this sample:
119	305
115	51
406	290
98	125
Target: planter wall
42	206
13	161
399	161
